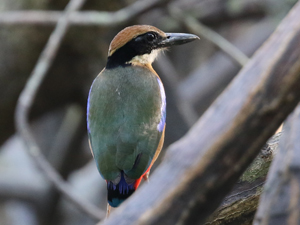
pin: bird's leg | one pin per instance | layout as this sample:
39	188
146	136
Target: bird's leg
108	210
146	177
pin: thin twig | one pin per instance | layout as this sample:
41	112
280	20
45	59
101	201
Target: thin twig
80	18
65	136
198	28
25	102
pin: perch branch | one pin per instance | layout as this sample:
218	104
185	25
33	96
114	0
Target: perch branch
279	203
241	203
200	169
25	102
80	18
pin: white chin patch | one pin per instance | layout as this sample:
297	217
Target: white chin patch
146	58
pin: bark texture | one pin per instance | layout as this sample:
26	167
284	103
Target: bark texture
280	201
240	205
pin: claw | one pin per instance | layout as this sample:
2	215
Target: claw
108	210
146	177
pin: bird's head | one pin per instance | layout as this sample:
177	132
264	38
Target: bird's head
140	45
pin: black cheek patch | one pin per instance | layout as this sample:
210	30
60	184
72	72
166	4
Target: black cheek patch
138	46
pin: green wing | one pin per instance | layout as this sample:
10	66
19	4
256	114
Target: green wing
124	110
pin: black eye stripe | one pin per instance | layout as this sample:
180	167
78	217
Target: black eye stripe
140	45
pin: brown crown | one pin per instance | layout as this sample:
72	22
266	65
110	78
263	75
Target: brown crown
128	34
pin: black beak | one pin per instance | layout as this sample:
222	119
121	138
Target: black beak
177	39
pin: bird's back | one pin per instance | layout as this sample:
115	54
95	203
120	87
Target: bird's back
124	117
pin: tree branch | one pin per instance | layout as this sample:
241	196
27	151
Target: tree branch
201	168
239	206
279	203
87	18
25	102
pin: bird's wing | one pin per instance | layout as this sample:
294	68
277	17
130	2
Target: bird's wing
126	119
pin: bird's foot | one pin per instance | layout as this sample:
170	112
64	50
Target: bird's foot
108	210
146	177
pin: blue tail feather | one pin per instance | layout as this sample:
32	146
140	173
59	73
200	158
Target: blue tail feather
118	193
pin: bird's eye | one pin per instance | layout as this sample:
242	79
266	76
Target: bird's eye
150	37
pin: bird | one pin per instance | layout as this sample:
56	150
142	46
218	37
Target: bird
126	109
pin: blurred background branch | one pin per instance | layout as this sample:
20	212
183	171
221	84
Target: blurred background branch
194	26
25	103
81	18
